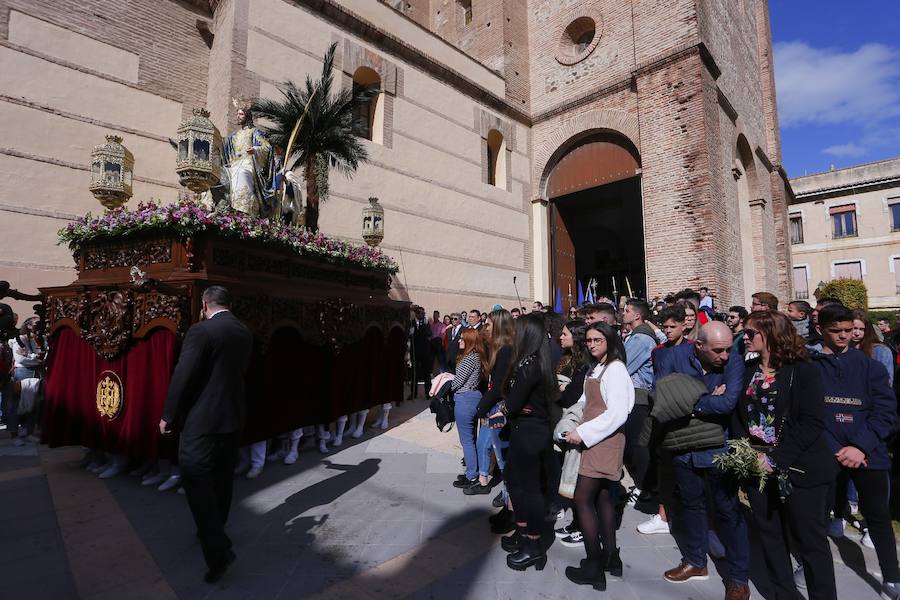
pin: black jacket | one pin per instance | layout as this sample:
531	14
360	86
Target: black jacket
207	391
802	451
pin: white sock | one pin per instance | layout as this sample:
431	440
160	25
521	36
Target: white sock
360	423
296	435
339	427
385	410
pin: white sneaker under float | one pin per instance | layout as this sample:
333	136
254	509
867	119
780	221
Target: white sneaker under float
654	525
154	479
172	482
291	457
254	472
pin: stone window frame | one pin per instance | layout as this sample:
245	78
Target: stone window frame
484	123
355	56
564	54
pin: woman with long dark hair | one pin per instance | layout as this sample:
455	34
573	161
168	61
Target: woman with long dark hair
527	406
572	370
865	338
781	413
608	397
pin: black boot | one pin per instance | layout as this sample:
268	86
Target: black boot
513	543
502	522
589	573
531	553
612	562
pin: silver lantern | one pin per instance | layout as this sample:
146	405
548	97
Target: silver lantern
199	152
112	172
373	223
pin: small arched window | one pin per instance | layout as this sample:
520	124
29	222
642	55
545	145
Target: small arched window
496	159
369	117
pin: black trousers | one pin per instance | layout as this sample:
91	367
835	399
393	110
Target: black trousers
874	488
207	474
421	370
801	518
637	457
529	451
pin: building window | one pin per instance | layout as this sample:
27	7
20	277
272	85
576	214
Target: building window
796	230
496	159
369	116
843	221
894	207
578	40
896	263
848	270
465	7
801	283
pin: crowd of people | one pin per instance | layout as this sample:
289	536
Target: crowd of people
555	409
21	376
611	404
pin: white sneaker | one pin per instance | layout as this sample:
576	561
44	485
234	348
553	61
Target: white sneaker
654	524
172	482
866	540
800	578
18	442
100	468
338	440
254	472
323	446
155	479
291	458
383	424
357	433
115	469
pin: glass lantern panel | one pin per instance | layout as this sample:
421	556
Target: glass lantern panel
129	178
201	150
113	173
96	169
183	149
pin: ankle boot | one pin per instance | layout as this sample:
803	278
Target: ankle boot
531	553
589	573
612	562
502	522
513	543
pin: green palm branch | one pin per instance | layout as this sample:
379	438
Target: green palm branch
329	135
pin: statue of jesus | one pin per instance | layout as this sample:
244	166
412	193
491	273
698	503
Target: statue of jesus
248	160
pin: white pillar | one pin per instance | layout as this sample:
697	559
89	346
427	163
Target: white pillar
540	275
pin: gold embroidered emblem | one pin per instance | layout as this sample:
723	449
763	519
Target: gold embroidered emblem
110	395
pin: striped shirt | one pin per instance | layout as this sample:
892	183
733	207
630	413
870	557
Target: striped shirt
468	373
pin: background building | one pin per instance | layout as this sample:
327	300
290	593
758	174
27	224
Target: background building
546	140
846	223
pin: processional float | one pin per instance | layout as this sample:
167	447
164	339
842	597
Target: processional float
328	341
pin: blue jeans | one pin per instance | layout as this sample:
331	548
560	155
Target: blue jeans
732	528
466	403
488	438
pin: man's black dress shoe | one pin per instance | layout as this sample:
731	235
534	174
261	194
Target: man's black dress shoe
216	573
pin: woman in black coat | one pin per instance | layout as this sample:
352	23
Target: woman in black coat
527	406
781	413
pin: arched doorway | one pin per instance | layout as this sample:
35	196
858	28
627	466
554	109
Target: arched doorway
596	219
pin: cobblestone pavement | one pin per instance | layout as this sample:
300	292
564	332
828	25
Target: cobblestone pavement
376	518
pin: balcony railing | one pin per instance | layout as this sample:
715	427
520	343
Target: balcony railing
804	294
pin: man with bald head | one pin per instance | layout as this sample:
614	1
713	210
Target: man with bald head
710	360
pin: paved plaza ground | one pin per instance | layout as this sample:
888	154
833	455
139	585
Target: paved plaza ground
376	518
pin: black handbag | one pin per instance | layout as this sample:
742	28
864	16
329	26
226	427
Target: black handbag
442	406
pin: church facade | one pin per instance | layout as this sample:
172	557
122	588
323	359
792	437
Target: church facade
546	142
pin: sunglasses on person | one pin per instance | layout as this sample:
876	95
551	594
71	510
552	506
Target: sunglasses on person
750	333
454	318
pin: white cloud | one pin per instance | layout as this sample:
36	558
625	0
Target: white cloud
826	86
849	150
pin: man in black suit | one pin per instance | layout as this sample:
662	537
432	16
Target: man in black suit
207	404
421	353
456	328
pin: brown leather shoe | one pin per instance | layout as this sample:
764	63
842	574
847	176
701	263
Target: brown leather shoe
685	572
737	591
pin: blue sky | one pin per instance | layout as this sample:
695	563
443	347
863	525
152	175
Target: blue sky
837	71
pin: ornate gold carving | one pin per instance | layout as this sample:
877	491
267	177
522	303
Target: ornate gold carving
138	253
106	325
110	395
153	305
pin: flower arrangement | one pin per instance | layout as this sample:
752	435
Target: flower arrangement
186	219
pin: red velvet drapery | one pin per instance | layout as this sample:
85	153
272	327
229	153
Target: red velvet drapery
70	415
